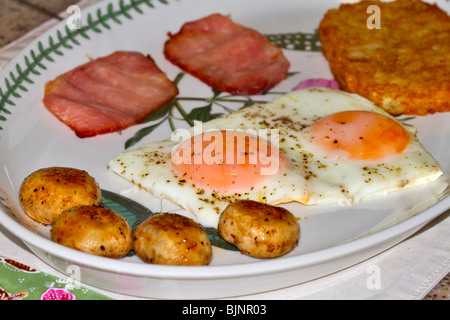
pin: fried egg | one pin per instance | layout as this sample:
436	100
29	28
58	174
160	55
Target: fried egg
315	146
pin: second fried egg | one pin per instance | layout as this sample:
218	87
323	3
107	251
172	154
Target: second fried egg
315	146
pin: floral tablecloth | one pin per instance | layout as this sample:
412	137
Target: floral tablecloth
21	282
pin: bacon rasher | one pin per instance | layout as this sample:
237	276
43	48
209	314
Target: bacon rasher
108	94
227	56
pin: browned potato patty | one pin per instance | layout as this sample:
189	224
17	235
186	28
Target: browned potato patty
96	230
403	67
172	239
259	230
46	193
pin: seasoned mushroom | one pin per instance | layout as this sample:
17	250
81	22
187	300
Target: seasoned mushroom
46	193
259	230
95	230
172	239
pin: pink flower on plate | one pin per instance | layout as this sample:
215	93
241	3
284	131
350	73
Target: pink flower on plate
317	83
57	294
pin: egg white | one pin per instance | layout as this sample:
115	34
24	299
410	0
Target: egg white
150	168
311	177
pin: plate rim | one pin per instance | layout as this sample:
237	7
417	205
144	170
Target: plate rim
227	271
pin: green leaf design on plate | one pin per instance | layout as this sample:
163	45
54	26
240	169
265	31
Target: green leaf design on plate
135	214
297	41
217	241
204	114
141	134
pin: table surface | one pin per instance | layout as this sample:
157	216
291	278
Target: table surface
17	17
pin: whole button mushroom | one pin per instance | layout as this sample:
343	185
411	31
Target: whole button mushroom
172	239
47	192
259	230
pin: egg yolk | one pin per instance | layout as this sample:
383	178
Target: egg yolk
360	135
226	161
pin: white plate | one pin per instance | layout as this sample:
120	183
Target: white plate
333	238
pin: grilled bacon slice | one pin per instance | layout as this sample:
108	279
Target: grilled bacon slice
108	94
227	56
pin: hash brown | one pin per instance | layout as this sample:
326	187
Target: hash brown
403	67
